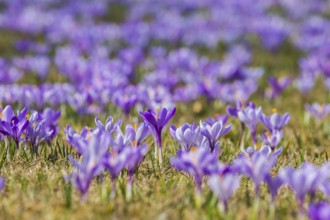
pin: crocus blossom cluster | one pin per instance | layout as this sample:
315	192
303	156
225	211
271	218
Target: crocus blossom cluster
112	61
207	135
251	116
34	129
106	148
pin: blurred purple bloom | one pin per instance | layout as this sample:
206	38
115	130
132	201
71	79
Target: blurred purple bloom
240	105
216	118
79	140
277	86
319	211
134	136
275	122
37	131
2	183
251	117
51	116
223	185
325	183
271	139
197	162
257	164
134	156
110	126
90	164
318	111
114	163
305	180
273	185
126	98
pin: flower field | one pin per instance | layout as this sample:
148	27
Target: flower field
150	109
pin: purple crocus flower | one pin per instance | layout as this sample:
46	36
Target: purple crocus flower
277	86
90	164
240	105
216	118
12	125
275	122
319	211
114	163
303	181
77	139
37	131
134	156
188	136
257	164
123	139
318	111
110	126
223	185
212	133
51	116
156	125
325	184
197	162
126	98
250	116
134	136
271	139
273	183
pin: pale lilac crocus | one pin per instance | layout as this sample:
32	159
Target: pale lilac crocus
188	136
257	164
251	117
318	111
223	185
303	181
90	164
110	126
275	122
212	133
271	139
197	162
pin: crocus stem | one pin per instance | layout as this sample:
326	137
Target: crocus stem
272	210
255	212
17	144
8	150
242	136
301	210
254	139
160	156
83	198
129	188
198	197
156	150
223	207
113	189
